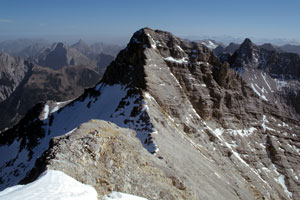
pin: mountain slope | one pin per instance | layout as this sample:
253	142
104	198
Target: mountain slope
14	47
42	84
274	76
197	116
33	50
61	55
12	72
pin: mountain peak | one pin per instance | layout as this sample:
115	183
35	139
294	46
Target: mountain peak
247	42
58	45
80	43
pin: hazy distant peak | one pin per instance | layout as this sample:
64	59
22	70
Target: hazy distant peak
58	45
270	47
80	43
247	42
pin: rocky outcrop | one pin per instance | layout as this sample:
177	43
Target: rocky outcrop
111	158
199	118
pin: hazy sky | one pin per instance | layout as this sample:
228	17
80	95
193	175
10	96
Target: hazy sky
120	18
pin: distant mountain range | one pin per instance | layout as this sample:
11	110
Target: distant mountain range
227	39
41	72
32	47
24	84
218	47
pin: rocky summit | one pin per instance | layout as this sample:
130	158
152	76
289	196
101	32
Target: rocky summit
209	133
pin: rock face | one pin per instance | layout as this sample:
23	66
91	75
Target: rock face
12	72
199	118
103	60
274	76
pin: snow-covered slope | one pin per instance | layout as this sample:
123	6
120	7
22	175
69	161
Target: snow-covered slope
115	103
54	184
50	185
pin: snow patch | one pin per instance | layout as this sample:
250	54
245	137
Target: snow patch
121	196
153	43
260	95
281	181
59	105
46	112
179	61
242	132
266	82
51	185
209	44
180	48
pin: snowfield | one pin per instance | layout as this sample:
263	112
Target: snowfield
51	185
57	185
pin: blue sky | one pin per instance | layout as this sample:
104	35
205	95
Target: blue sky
106	19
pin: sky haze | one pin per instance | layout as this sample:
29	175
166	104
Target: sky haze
118	19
